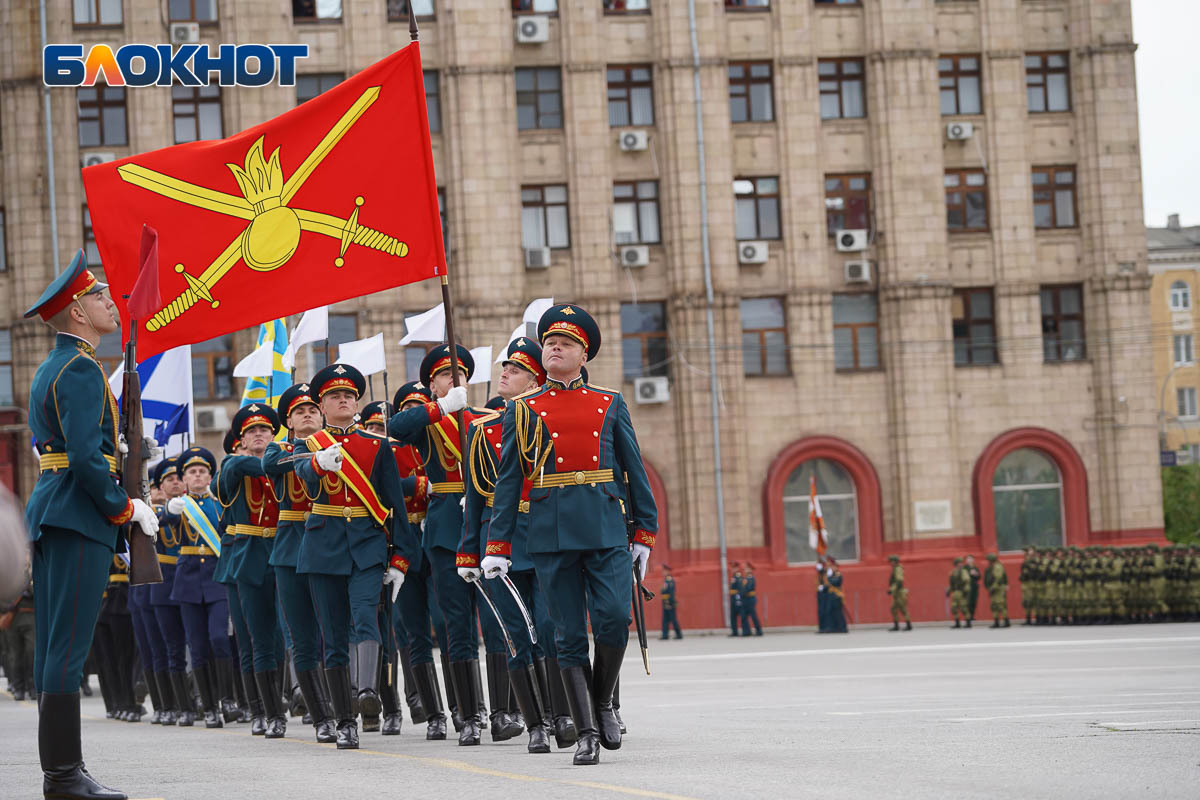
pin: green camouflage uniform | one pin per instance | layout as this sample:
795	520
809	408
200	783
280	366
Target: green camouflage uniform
995	580
899	595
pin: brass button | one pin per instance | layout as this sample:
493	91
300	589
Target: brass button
580	478
307	514
346	512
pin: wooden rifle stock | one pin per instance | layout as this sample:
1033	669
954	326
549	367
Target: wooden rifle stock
143	558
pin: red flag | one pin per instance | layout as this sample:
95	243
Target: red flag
334	199
145	298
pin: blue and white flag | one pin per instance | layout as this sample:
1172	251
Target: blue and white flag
168	412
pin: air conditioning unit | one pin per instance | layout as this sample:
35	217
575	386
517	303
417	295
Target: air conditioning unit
92	159
857	271
532	30
537	257
635	256
752	252
212	418
851	240
185	32
633	140
651	390
959	131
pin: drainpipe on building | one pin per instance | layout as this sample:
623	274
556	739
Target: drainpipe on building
714	384
49	151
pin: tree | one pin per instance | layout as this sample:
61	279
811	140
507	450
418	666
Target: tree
1181	503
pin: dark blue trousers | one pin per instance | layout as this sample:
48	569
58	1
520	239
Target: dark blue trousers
262	621
150	642
70	572
299	618
347	610
527	585
574	581
170	625
456	599
206	625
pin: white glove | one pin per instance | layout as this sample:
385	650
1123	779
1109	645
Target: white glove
330	459
122	446
144	516
455	400
428	489
494	566
422	526
641	557
469	574
462	502
395	578
175	506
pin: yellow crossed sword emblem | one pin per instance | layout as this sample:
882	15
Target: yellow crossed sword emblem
273	233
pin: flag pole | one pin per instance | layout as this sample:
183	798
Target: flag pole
447	304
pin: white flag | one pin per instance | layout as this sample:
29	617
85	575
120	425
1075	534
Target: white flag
312	327
366	355
517	333
258	363
428	326
483	364
534	311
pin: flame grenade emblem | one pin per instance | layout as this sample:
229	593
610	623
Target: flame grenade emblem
274	228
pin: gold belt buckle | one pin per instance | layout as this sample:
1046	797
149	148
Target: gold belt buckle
580	478
346	512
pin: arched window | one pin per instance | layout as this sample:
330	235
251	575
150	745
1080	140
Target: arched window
1181	296
1028	491
839	505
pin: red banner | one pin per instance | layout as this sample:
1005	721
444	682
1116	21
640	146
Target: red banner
333	200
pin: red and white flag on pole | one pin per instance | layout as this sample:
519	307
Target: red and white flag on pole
818	538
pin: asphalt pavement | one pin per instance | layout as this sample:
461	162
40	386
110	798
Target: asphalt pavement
1024	712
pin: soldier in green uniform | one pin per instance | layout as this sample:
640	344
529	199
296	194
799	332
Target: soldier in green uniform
670	605
973	576
1028	583
899	595
995	580
1113	590
74	516
957	592
1156	572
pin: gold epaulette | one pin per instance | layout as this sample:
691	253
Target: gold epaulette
602	388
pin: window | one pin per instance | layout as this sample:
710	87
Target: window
97	12
3	244
433	100
751	96
314	10
212	368
974	324
1027	489
747	4
1054	197
1182	346
197	111
757	208
90	249
6	368
839	508
1186	400
539	98
764	337
635	212
847	202
855	332
1062	323
644	339
413	356
630	96
398	9
1048	82
959	80
1180	297
841	82
309	86
626	6
342	328
191	10
966	200
535	6
101	116
544	217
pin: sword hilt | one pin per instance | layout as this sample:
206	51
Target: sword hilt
196	291
361	235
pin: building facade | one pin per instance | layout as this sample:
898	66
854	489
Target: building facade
1174	260
924	239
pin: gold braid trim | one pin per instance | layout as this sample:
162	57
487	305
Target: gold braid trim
525	445
483	465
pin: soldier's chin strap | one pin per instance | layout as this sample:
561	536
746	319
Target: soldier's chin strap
91	324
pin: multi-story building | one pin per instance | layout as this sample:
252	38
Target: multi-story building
1174	253
923	240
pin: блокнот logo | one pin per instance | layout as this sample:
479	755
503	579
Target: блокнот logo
163	65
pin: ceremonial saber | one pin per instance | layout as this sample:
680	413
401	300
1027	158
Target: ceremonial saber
639	617
521	605
512	648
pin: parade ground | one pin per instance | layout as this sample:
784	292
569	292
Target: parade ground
1044	712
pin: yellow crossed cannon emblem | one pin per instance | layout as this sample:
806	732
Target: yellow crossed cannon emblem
273	234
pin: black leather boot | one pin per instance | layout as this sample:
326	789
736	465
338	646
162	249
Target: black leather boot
272	700
166	693
61	753
503	727
317	702
606	668
957	623
456	713
183	699
241	698
297	706
226	678
565	733
206	681
426	680
579	698
258	712
412	697
155	699
617	706
908	624
529	700
340	694
895	625
392	718
365	681
464	676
